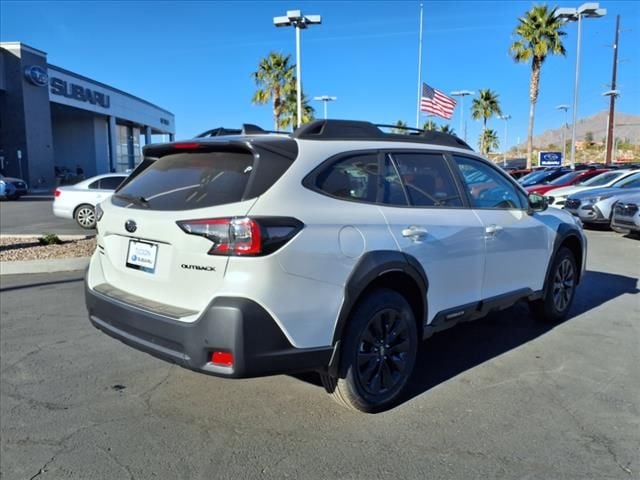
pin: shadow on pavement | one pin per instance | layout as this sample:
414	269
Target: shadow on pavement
40	284
461	348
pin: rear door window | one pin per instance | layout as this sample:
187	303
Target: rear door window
189	180
427	180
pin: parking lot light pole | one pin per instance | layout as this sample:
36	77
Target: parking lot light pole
590	10
564	132
296	19
325	99
506	118
463	119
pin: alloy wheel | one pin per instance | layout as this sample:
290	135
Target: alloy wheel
86	217
563	285
383	352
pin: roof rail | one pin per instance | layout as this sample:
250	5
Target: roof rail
247	129
360	130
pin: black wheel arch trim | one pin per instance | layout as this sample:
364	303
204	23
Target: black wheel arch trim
371	266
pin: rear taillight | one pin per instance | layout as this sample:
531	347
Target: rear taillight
243	236
57	193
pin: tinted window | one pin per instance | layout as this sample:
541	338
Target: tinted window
566	178
603	179
487	188
632	181
189	180
353	178
111	183
393	192
94	185
427	180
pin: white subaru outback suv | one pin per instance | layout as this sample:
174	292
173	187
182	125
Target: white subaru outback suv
337	248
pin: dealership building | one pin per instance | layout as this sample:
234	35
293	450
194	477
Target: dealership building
52	120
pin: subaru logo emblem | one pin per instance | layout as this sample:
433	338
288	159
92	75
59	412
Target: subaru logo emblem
36	75
130	226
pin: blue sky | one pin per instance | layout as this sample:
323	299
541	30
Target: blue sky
196	58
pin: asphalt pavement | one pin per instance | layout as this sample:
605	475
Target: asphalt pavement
33	215
503	397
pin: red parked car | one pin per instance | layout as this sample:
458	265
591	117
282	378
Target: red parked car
570	178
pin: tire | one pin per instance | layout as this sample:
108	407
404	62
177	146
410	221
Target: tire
378	353
85	216
560	289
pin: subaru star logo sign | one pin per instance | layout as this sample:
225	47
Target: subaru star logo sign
130	226
36	75
550	159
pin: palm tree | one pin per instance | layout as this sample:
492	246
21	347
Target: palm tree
400	127
489	140
539	35
446	128
274	79
484	107
289	117
429	125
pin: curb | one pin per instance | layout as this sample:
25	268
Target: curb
44	266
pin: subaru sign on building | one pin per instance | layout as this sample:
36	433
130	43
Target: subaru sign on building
550	159
53	119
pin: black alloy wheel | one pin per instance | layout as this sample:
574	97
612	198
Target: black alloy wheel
383	354
377	354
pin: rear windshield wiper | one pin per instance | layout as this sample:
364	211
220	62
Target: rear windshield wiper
140	201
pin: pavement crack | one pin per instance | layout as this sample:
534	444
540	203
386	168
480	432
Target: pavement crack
43	469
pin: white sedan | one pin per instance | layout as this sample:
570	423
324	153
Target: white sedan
79	201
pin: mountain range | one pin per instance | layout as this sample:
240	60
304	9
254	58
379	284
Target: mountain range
627	127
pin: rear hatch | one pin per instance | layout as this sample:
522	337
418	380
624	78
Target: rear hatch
157	235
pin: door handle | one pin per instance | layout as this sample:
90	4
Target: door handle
492	230
414	232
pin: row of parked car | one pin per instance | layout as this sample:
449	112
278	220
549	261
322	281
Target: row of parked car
598	196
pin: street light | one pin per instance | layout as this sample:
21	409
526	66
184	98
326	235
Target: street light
325	99
463	120
506	118
590	10
564	131
296	19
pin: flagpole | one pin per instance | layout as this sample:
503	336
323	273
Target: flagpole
419	72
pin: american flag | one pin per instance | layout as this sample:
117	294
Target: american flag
435	102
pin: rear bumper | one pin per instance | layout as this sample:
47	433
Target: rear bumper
62	211
229	324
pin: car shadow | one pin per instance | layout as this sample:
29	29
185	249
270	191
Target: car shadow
451	352
40	284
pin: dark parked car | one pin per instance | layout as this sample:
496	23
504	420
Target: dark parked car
20	187
542	176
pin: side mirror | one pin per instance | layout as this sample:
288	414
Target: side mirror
537	203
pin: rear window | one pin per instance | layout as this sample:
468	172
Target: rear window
189	180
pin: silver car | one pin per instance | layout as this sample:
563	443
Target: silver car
626	214
595	206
